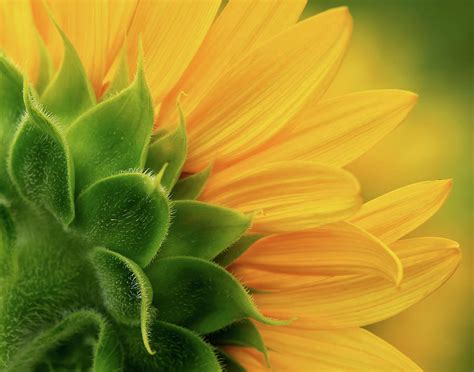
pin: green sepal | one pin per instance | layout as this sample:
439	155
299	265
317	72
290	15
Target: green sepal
199	295
241	333
237	249
178	350
40	164
190	187
169	151
113	136
120	80
126	290
202	230
11	110
107	353
46	69
229	364
125	213
7	241
69	93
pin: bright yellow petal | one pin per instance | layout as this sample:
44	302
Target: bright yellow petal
393	215
351	301
96	29
261	280
239	28
172	32
338	130
354	349
337	249
18	36
287	196
264	90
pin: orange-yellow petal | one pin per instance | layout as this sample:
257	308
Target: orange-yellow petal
351	301
336	249
393	215
96	29
18	36
265	89
239	28
338	130
172	32
287	196
354	349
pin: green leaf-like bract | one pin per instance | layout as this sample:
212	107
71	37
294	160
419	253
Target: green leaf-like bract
190	187
178	349
113	136
126	213
237	249
40	164
69	93
199	295
168	153
202	230
126	290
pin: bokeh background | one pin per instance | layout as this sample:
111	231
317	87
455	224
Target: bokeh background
425	46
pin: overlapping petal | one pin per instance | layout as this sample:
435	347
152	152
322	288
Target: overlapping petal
393	215
338	130
337	249
254	22
349	301
264	90
18	36
172	32
287	196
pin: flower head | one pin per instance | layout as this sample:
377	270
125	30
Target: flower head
173	192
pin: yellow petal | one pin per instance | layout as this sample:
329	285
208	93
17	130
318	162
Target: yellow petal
261	280
393	215
265	89
338	130
352	349
239	28
287	196
337	249
18	36
96	29
172	32
351	301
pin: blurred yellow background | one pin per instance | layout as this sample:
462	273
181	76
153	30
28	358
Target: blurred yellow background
425	46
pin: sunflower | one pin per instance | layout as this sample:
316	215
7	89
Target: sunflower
172	192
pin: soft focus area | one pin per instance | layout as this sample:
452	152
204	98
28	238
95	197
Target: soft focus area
424	46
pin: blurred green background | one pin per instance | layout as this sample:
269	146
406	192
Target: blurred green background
425	46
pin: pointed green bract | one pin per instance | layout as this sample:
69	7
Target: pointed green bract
170	151
126	290
40	164
107	352
113	136
190	188
237	249
241	333
202	230
199	295
11	109
69	93
125	213
178	350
